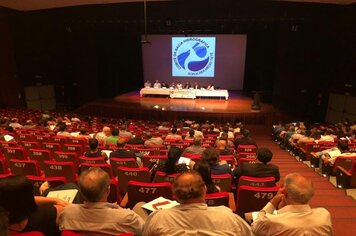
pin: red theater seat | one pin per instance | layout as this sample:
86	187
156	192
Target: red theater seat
124	162
24	167
256	182
52	181
40	156
217	199
60	169
163	177
224	181
131	174
149	159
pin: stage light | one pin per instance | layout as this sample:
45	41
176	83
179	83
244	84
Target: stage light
163	109
203	108
156	106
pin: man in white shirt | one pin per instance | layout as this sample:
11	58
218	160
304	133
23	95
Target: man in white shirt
147	84
289	213
193	216
157	84
96	216
102	136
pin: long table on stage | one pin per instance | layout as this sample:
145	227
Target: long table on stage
185	93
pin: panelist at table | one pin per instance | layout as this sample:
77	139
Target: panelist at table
196	86
157	84
179	85
187	85
147	84
210	87
164	85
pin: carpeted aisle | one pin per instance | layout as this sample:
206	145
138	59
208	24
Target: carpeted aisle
341	207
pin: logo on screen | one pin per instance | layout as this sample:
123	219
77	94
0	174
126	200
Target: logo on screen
193	56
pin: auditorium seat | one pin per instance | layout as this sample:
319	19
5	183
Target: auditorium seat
60	169
230	159
52	147
253	198
66	157
91	160
53	182
18	153
59	139
78	149
346	178
105	167
77	141
246	148
30	144
250	155
246	160
128	174
342	161
146	192
147	160
32	233
163	177
124	162
4	144
3	166
41	138
24	167
256	182
224	181
217	199
145	151
39	155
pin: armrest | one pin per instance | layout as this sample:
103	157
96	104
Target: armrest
232	203
343	177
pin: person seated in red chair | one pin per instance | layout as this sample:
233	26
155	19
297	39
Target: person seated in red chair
152	141
96	216
245	139
173	135
262	168
329	156
195	148
217	166
293	215
27	212
193	216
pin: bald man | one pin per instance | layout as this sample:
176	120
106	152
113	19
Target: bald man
193	216
96	216
293	214
102	136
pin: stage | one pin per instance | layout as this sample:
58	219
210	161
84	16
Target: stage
132	105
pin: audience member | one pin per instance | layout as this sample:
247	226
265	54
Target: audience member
171	165
152	141
122	152
193	216
260	169
204	171
137	140
245	139
93	149
195	148
102	136
294	215
26	211
147	84
190	135
124	133
173	135
114	137
223	145
211	156
62	130
329	156
96	216
83	134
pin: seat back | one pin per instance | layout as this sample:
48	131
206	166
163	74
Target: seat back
253	198
250	155
104	167
145	151
224	181
230	159
30	144
73	148
131	174
124	162
217	199
146	192
66	157
147	160
41	138
343	161
40	156
59	139
163	177
52	147
53	182
3	166
77	141
256	182
246	160
91	160
18	153
247	148
60	169
24	167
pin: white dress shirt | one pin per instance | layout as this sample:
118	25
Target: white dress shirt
292	220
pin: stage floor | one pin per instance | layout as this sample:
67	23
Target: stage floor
131	105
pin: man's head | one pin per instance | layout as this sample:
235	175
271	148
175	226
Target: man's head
93	144
264	155
298	189
191	132
197	141
62	127
211	156
115	132
148	135
189	188
94	185
174	130
246	133
343	146
107	131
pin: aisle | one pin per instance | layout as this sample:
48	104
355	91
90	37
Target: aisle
341	207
